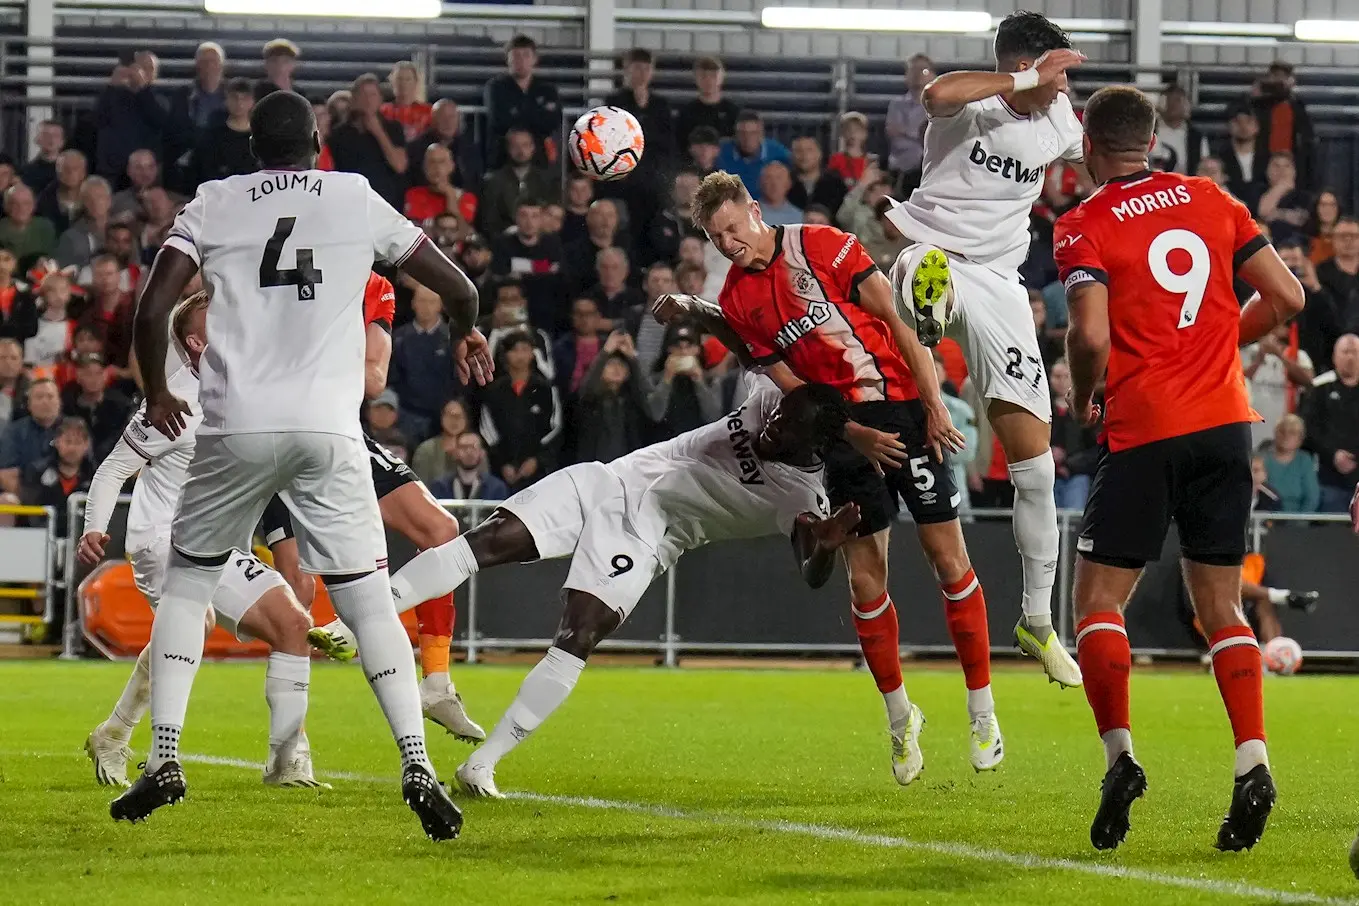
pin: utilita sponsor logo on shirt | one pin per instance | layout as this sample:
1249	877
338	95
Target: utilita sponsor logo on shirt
818	313
1007	167
741	445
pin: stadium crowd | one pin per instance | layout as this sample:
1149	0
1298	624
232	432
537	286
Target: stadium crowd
567	267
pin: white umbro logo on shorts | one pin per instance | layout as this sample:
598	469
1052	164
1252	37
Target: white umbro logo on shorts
1085	545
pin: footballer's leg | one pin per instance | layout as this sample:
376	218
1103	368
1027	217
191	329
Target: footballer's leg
411	510
927	281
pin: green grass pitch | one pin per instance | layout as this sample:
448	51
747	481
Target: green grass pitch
704	786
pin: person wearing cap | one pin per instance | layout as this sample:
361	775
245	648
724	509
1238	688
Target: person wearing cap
383	412
746	154
681	397
1244	158
853	157
519	98
1285	127
90	399
64	469
280	61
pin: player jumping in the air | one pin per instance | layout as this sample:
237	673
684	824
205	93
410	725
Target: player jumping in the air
754	472
252	600
1148	262
990	138
407	507
808	304
285	254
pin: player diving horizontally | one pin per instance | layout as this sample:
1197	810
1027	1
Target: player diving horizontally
1148	262
754	472
252	600
990	139
285	253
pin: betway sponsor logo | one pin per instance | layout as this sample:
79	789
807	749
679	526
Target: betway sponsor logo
818	313
741	440
1007	167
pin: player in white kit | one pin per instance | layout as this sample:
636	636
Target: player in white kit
285	255
754	472
990	139
252	600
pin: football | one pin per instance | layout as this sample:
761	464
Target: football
606	143
1283	656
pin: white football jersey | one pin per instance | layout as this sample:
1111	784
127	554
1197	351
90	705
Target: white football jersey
984	169
285	255
161	482
709	484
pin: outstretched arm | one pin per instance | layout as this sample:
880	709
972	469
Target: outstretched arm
815	541
953	91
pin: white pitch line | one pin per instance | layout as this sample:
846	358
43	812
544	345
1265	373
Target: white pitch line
849	835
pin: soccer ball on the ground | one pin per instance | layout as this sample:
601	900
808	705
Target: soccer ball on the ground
1283	656
606	143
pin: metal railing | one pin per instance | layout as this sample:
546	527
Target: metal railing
50	568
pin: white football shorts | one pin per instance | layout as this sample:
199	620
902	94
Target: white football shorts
324	478
992	321
245	579
581	511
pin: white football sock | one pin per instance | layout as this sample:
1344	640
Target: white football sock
1278	595
980	701
285	689
176	650
1116	742
898	708
437	682
433	573
1249	754
365	605
1035	528
544	689
134	701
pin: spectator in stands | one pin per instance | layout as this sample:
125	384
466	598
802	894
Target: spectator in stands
224	149
88	398
709	109
434	458
575	352
1277	373
682	398
534	259
703	150
601	232
509	317
110	311
65	470
128	116
1210	167
580	192
383	413
12	381
775	209
648	334
1318	325
41	171
671	225
85	237
1285	126
409	105
470	478
1243	159
86	340
1291	470
611	414
518	99
28	236
690	277
370	144
450	232
143	172
862	213
746	154
18	311
421	369
321	110
812	184
553	215
49	343
9	173
438	191
1331	413
474	257
1325	213
521	416
1075	449
519	176
160	216
652	110
906	122
853	157
616	299
1179	143
119	242
28	438
394	442
1340	274
60	201
201	104
338	104
280	62
1283	206
445	128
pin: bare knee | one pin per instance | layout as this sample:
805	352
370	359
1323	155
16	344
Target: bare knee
303	587
502	538
280	622
866	564
1101	588
1022	434
433	528
1215	592
945	549
586	622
